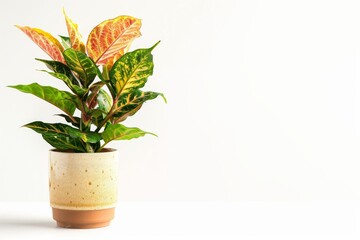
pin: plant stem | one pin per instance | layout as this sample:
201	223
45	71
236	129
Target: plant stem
102	147
106	73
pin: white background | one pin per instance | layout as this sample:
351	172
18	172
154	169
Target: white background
263	100
192	221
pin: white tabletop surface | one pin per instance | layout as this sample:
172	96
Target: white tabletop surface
200	220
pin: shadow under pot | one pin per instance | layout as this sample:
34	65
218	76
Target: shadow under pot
83	188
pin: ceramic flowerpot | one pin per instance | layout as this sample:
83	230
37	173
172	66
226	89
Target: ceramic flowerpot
83	188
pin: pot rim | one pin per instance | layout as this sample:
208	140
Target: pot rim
107	151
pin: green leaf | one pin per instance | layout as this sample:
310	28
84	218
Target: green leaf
130	103
57	136
63	129
59	67
100	75
95	146
74	88
61	99
97	116
80	63
91	137
120	132
64	143
132	70
65	41
104	102
75	121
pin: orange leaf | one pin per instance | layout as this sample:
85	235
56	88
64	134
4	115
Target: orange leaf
114	58
45	41
74	35
110	62
110	39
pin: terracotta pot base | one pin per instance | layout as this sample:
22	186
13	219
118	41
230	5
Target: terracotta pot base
83	218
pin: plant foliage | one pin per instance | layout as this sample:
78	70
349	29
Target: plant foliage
87	70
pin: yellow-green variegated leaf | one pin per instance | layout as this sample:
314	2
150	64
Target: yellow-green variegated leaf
130	103
45	41
74	35
61	99
80	63
120	132
108	40
131	71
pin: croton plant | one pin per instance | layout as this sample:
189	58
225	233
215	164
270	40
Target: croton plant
86	69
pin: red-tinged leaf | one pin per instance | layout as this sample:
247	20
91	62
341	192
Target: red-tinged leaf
74	35
45	41
109	40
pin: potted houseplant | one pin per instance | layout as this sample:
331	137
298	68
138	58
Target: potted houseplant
104	82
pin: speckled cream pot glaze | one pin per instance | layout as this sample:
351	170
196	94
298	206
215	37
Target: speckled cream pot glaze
83	188
83	181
